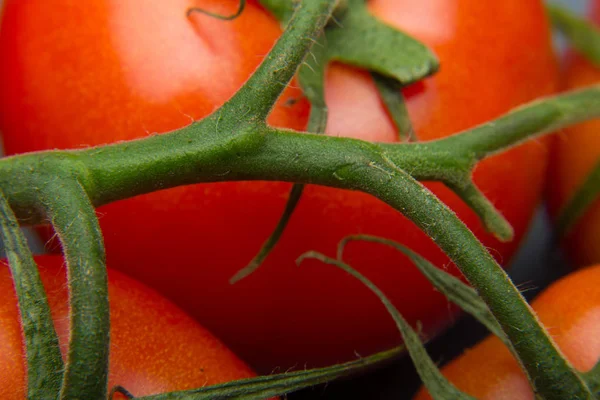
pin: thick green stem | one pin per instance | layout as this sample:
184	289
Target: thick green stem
493	221
76	225
452	158
525	122
352	164
44	361
550	374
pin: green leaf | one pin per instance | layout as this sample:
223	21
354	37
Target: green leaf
364	41
453	288
580	202
263	387
436	383
44	361
584	36
357	38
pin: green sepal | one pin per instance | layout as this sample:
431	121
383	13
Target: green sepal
74	220
393	99
453	288
357	38
264	387
438	386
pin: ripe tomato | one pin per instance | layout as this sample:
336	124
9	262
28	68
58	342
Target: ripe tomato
570	308
155	347
102	71
575	153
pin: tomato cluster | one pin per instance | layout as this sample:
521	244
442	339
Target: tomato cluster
99	72
128	72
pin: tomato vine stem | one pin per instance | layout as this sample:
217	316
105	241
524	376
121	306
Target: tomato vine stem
45	364
74	220
235	143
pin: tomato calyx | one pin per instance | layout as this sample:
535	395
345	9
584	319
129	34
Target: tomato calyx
355	37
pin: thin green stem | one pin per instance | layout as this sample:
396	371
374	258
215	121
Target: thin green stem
317	123
45	365
272	240
256	98
530	120
493	221
426	368
264	387
452	158
393	99
76	225
453	288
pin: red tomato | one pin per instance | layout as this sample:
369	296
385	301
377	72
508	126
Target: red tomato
570	308
576	151
101	71
155	347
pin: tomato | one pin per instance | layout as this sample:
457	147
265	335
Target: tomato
155	347
570	308
576	151
100	71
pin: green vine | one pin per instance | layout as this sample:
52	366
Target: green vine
234	143
45	363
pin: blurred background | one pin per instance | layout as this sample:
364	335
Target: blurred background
538	263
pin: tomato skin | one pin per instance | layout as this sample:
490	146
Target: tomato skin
109	87
570	308
574	155
155	347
